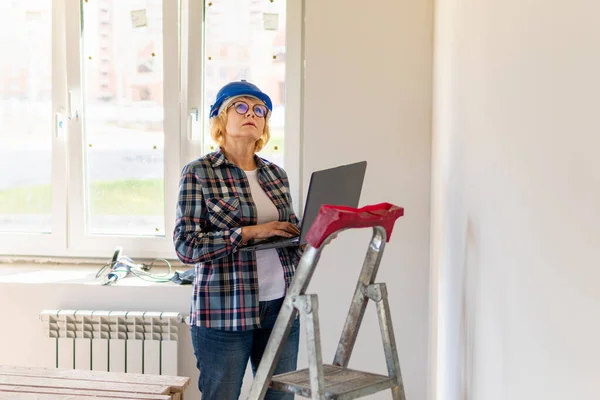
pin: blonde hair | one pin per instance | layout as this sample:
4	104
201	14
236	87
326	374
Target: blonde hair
218	127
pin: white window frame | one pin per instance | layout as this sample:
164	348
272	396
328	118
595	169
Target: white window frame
183	28
50	244
80	242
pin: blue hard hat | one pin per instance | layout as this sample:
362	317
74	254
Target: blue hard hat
239	88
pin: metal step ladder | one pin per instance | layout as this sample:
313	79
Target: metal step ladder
336	381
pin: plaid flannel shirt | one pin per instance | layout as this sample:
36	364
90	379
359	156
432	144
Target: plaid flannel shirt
214	203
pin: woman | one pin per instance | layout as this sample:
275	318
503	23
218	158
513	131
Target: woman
228	198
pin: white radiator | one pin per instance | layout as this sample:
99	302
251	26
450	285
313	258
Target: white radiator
117	341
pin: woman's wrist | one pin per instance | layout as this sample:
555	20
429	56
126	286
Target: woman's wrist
247	234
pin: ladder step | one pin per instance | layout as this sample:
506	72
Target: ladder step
338	381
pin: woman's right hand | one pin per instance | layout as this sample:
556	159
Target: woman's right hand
270	229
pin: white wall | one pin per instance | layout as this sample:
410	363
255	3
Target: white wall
516	191
368	96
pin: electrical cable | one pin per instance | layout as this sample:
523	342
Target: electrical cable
120	266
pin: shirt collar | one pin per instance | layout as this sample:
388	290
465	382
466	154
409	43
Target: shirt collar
217	158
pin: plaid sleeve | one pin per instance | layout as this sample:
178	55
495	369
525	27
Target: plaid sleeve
194	242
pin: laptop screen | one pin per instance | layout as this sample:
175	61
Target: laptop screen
340	186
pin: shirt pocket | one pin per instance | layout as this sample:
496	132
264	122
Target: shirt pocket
224	212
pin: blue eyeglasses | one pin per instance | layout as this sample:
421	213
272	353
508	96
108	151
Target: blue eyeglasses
241	107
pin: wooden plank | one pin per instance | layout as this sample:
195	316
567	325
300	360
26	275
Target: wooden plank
363	385
86	393
75	384
301	377
38	396
338	382
176	383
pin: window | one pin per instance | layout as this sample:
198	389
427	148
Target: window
95	125
26	117
242	39
124	137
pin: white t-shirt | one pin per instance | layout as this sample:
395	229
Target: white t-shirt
271	283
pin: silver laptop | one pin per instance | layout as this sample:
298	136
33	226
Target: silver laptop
340	186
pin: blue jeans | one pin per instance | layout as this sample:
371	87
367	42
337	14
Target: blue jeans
222	356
